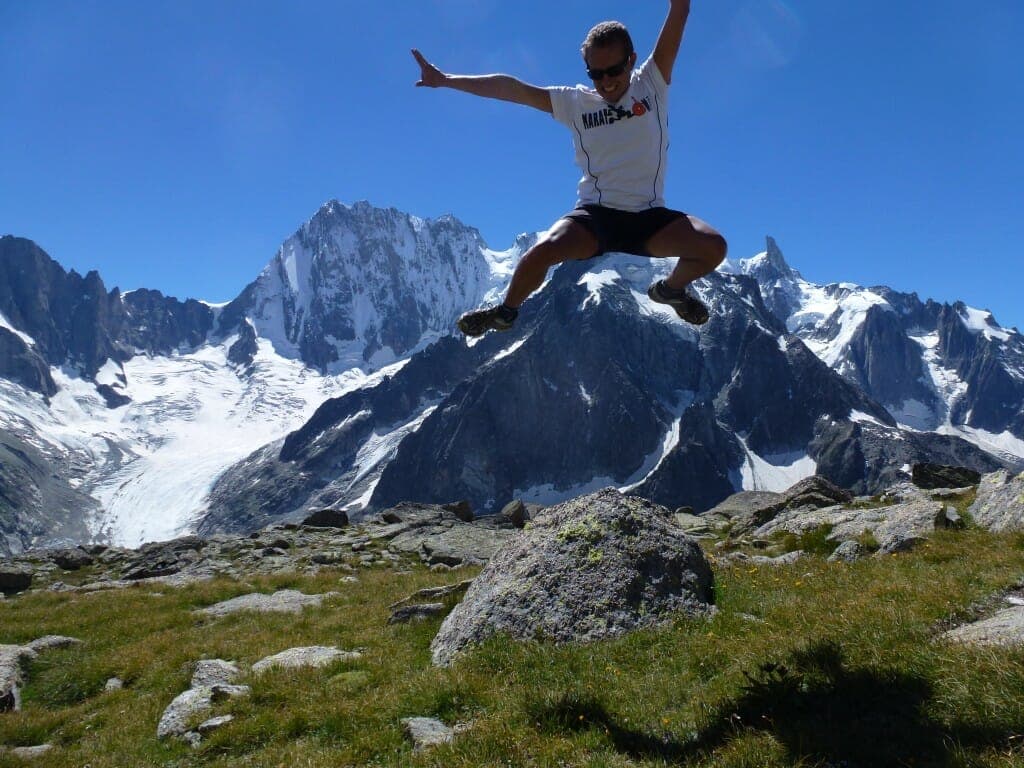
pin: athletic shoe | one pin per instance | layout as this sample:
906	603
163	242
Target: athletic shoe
499	318
684	302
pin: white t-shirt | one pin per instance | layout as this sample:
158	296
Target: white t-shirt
620	148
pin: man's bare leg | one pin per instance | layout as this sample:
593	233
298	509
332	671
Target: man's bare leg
700	249
565	241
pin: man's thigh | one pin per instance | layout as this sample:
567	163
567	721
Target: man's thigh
680	236
571	240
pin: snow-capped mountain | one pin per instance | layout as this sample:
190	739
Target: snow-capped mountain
117	411
358	286
333	380
935	367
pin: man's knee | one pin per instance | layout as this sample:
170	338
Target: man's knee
717	248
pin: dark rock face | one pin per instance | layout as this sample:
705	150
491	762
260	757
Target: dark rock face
74	320
886	363
37	503
20	364
593	567
939	476
243	351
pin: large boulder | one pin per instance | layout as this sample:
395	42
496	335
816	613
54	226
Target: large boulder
747	510
1000	502
592	567
931	476
896	528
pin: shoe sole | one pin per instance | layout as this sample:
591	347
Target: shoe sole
678	307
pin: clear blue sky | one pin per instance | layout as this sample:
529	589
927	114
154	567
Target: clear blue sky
175	145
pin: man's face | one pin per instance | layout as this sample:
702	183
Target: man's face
602	64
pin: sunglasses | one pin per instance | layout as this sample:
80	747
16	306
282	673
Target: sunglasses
600	74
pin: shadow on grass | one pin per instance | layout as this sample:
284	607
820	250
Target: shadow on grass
817	708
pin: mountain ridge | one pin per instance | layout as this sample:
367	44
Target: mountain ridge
265	373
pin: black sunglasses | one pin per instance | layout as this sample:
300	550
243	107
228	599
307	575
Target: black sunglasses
600	74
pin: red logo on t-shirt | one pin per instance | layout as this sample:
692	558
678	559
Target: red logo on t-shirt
638	109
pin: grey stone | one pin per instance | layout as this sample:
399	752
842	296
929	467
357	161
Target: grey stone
461	509
175	719
49	642
425	732
418	612
787	559
114	684
1000	502
12	659
14	578
1006	628
847	552
515	514
283	601
930	476
312	656
31	753
210	672
72	559
592	567
209	726
429	593
895	527
327	518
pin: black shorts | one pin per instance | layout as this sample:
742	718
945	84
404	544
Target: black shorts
623	231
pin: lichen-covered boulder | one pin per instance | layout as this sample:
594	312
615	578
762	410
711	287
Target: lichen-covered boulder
592	567
1000	502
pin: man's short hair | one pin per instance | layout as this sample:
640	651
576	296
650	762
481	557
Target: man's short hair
607	33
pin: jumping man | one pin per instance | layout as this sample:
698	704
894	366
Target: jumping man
619	129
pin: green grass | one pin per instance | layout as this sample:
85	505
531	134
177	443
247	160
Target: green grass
810	664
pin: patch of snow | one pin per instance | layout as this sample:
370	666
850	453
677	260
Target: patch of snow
1005	445
110	374
380	445
5	323
819	307
774	473
860	417
587	397
981	321
510	350
594	281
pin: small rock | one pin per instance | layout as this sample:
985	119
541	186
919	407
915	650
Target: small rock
420	612
949	518
31	753
515	513
210	672
312	656
929	476
283	601
847	552
213	724
49	642
327	518
461	509
786	559
72	559
14	578
175	719
114	684
1006	628
427	732
433	592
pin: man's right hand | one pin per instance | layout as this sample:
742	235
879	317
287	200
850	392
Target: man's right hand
430	76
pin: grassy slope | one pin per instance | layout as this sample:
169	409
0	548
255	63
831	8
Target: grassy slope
809	664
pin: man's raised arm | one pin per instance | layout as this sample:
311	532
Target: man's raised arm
501	87
671	36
